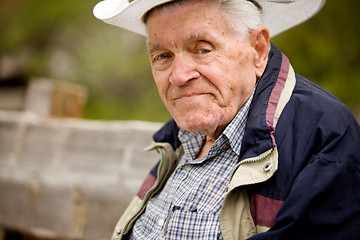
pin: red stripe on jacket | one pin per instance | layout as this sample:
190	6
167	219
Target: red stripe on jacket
264	210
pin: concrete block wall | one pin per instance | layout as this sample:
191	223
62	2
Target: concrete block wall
68	178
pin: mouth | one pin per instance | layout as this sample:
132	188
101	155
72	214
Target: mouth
189	96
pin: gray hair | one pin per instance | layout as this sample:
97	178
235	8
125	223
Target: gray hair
243	16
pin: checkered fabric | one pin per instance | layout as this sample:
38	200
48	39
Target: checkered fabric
189	205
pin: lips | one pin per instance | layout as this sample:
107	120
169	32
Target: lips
191	95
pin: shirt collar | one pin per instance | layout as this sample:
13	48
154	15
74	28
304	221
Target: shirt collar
236	128
233	133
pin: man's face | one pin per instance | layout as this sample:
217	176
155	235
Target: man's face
203	70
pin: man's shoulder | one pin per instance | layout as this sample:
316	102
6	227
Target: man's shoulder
315	102
315	118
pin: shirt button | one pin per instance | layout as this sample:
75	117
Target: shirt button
161	222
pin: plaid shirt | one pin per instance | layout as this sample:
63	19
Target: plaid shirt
189	205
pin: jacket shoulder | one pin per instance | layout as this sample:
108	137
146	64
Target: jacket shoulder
314	105
318	124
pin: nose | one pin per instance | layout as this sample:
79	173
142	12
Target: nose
183	70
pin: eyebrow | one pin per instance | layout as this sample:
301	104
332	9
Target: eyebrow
154	48
196	36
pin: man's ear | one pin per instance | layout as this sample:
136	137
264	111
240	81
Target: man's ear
261	40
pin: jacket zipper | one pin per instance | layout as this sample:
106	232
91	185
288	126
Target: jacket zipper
253	159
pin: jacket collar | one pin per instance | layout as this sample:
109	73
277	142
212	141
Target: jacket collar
271	95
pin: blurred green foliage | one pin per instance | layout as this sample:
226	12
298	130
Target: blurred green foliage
63	41
326	50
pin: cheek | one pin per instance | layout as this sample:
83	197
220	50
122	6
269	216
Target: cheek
161	83
238	86
163	86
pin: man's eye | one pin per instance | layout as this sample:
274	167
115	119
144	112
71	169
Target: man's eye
162	56
204	51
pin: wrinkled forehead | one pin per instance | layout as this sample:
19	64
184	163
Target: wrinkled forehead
205	18
167	10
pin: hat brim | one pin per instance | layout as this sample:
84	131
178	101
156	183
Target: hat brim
278	15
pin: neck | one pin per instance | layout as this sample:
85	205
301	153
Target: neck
205	148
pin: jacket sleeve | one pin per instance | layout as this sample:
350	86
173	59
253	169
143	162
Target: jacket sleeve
324	203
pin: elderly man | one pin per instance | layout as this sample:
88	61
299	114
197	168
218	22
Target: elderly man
253	150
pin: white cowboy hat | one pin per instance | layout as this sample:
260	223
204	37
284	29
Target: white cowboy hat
278	15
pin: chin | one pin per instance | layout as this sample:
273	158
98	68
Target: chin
198	122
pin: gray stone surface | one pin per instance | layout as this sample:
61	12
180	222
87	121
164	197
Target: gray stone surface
67	178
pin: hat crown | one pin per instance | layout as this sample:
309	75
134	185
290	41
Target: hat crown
278	15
